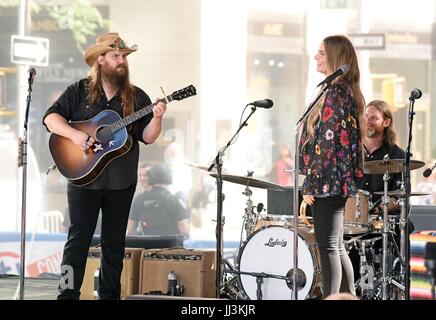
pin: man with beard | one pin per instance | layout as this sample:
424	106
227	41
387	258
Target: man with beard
106	88
379	141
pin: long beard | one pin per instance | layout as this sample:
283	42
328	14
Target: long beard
119	77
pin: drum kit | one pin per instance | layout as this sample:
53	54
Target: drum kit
263	269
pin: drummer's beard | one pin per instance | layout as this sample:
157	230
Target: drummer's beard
373	132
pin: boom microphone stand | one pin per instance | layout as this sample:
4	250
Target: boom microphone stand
404	221
22	162
300	122
220	198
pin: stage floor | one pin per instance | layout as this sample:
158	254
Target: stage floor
34	288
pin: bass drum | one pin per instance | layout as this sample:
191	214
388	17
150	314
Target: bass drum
270	251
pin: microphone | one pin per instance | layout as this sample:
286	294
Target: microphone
265	103
301	279
342	70
259	207
32	73
415	94
427	172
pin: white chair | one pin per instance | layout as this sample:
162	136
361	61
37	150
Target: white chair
52	221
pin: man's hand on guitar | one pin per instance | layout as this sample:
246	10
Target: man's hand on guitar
83	140
159	109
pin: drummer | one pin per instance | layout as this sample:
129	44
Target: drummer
379	141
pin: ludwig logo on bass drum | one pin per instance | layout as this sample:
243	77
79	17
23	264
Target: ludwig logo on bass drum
274	243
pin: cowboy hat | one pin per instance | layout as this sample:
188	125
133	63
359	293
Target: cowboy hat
105	43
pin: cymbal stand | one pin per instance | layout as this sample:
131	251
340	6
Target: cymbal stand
249	219
385	201
403	222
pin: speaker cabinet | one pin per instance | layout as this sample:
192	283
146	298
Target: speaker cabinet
195	270
129	276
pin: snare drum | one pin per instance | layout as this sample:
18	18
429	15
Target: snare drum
275	220
356	218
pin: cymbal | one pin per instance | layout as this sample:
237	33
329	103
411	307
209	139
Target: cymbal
391	165
250	182
196	165
401	193
201	167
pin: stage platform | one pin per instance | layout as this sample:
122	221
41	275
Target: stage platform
43	288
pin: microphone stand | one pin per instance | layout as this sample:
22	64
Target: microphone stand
404	219
300	122
218	162
22	162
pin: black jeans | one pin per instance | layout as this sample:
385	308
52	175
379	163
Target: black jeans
328	219
84	207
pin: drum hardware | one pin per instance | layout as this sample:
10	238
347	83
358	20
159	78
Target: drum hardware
260	276
249	219
385	201
230	287
365	269
386	167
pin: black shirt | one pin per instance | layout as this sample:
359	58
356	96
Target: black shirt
374	182
74	105
160	210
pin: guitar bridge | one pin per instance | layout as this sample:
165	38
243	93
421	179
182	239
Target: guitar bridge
97	147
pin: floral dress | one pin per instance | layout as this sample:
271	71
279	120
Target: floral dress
332	161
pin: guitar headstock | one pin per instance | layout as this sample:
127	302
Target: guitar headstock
184	93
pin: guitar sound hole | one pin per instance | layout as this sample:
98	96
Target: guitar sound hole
103	134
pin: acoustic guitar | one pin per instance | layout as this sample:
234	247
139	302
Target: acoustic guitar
81	167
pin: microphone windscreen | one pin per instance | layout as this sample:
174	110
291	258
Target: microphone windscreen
345	68
426	173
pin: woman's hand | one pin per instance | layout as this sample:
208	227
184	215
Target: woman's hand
309	199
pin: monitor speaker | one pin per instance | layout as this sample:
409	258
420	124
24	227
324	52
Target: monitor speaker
194	271
129	275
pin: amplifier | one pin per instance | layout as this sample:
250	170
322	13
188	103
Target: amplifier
129	276
194	269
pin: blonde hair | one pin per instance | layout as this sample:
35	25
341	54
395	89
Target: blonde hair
389	136
339	51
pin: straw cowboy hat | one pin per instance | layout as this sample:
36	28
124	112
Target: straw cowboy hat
105	43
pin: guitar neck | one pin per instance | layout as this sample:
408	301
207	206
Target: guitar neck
124	122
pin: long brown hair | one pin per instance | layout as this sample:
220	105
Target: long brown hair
389	136
126	90
339	51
